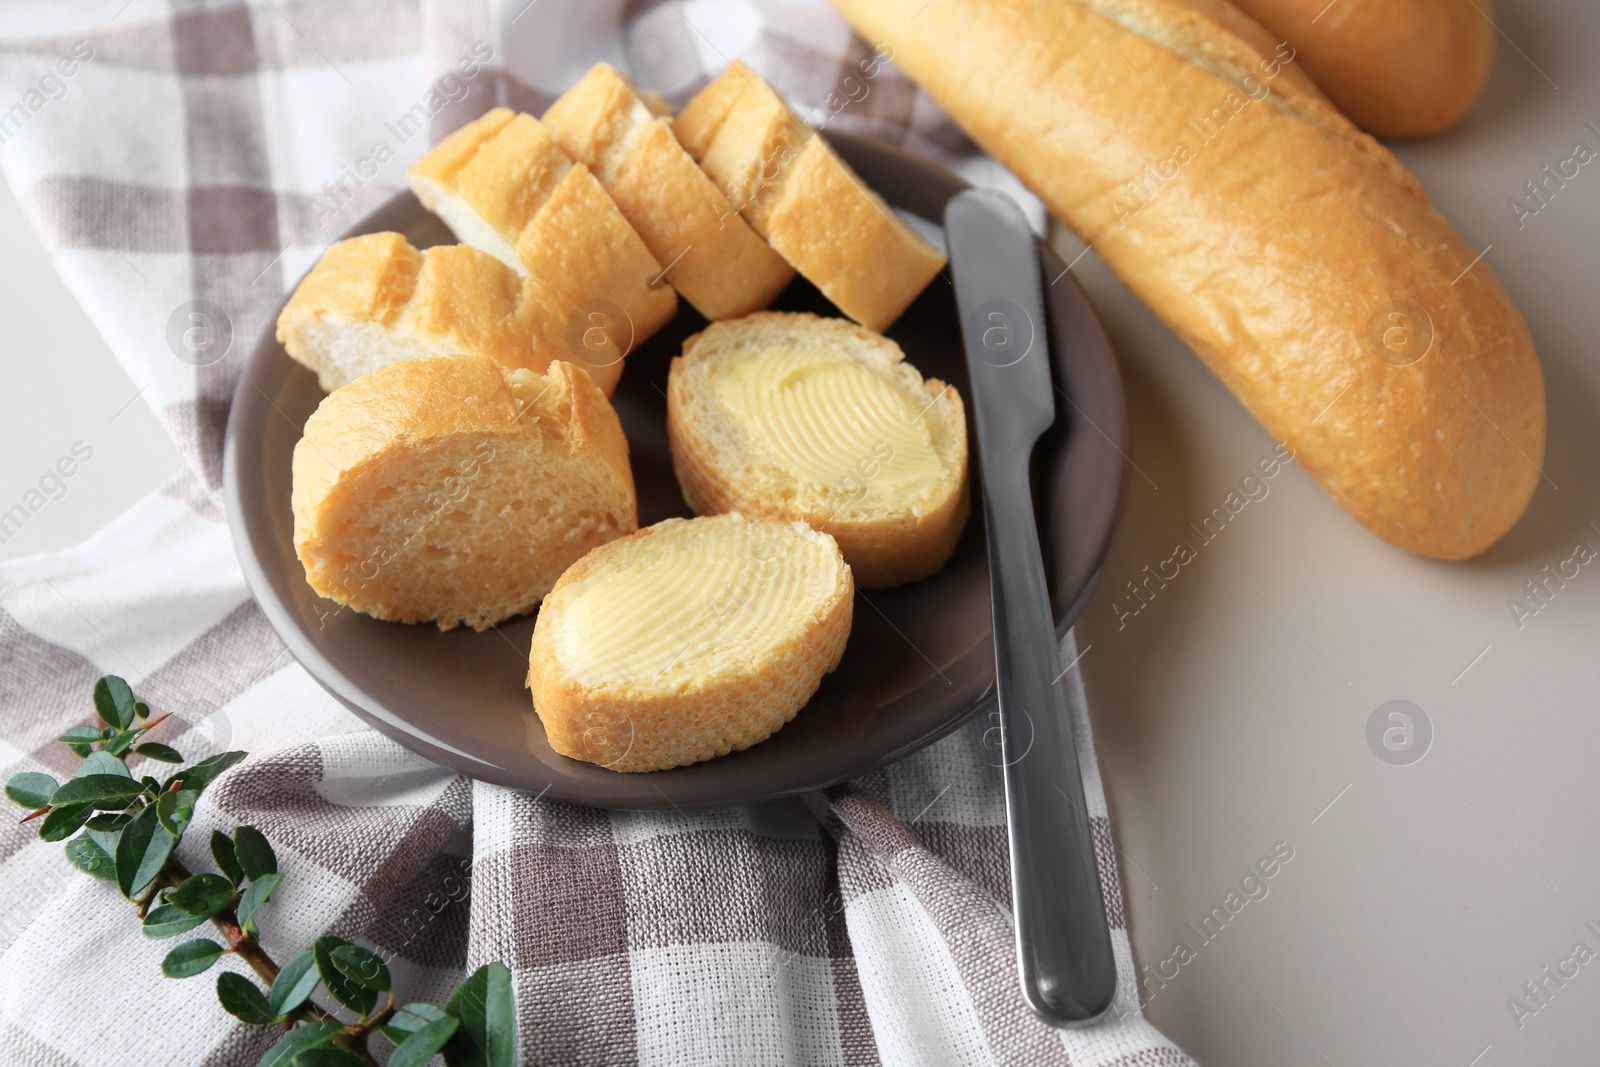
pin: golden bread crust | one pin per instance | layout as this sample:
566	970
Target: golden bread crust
446	300
370	278
504	184
581	243
716	261
1406	69
806	201
1286	278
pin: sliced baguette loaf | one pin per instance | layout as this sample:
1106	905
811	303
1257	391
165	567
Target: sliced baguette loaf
455	490
806	201
374	300
792	416
503	185
688	640
713	257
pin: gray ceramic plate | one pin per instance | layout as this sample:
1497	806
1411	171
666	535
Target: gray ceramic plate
920	661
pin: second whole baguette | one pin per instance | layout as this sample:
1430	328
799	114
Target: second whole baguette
1297	257
1398	68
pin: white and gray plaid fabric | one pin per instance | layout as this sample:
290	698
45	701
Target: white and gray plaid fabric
209	152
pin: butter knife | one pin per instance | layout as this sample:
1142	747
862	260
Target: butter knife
1064	955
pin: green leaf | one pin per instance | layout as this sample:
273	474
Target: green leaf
141	852
222	852
157	751
164	920
102	763
421	1046
80	738
316	1034
205	772
294	984
113	702
141	709
361	965
90	858
328	1056
109	791
31	789
64	821
118	743
255	854
109	821
174	810
201	894
358	998
191	957
487	1011
241	999
409	1019
107	843
254	896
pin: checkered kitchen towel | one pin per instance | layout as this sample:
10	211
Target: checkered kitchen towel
209	152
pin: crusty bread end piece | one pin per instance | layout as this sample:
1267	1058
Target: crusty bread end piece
713	257
375	300
806	201
455	490
793	416
688	640
502	184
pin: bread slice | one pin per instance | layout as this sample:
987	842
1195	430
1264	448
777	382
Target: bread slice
687	640
375	300
792	416
714	259
503	185
455	490
806	201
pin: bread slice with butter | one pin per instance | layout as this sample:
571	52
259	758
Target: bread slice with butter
806	201
793	416
503	185
456	490
712	256
375	300
688	640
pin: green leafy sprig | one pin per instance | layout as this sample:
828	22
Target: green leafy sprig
125	830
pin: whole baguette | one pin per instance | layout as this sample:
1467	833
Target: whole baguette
1298	258
1397	68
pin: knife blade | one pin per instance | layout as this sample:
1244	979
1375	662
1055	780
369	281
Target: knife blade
1064	954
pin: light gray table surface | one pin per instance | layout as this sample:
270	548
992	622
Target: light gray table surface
1232	711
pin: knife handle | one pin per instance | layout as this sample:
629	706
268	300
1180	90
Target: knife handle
1069	975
